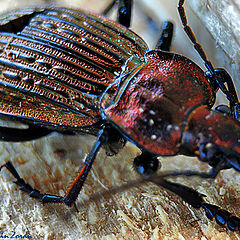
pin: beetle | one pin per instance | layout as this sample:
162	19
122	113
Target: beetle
73	71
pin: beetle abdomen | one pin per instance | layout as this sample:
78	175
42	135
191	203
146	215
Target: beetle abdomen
60	62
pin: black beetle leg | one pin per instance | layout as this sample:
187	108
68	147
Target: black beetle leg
20	135
195	199
125	12
164	43
34	193
230	92
76	185
78	182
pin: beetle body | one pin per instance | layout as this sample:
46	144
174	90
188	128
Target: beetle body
72	70
55	70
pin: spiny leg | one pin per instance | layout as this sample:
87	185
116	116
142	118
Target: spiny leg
125	12
164	43
213	75
76	185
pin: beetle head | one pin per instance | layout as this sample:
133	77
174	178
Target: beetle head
213	137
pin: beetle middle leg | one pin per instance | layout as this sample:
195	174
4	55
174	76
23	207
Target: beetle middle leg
76	186
147	164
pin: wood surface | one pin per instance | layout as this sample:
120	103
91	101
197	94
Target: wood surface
143	212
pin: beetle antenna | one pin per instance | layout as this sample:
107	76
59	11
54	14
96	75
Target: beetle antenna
192	37
213	75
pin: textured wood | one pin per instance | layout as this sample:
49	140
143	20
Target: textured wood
145	212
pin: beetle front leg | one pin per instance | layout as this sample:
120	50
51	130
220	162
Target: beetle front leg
195	199
164	43
124	11
76	185
223	77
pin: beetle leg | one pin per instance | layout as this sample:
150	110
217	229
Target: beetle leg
195	199
164	43
124	12
76	185
230	92
34	193
78	182
20	135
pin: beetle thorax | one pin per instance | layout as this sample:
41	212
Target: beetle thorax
152	108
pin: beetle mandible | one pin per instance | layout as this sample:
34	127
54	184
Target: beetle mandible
73	71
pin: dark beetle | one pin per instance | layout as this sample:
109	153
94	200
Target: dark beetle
73	71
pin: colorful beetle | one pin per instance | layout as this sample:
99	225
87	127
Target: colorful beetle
73	71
